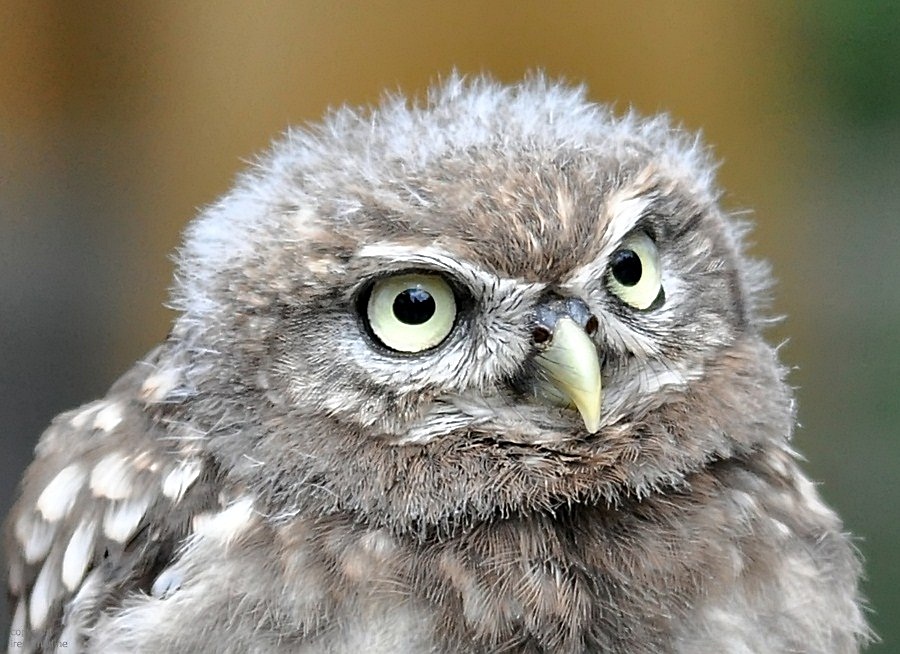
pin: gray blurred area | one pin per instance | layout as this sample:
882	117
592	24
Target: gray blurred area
118	121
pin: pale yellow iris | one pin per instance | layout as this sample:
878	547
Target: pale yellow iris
405	336
643	293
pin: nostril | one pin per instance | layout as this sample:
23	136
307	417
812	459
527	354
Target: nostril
540	334
590	327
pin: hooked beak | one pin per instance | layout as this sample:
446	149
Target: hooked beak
569	371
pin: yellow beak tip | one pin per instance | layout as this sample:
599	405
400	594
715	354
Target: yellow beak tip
589	408
592	423
573	369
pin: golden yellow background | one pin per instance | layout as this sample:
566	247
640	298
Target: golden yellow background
119	120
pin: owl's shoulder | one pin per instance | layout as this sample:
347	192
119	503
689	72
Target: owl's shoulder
779	566
107	501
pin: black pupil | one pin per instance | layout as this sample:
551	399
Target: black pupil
626	267
414	306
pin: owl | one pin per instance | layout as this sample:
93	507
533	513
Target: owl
480	372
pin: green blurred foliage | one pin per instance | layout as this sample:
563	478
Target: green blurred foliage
858	47
849	79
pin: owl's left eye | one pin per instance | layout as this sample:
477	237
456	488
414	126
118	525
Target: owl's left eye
411	312
634	272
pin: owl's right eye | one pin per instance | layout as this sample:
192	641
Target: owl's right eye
411	312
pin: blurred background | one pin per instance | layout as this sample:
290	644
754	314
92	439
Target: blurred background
119	120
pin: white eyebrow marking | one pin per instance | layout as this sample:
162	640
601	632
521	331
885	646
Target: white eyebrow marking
431	257
123	517
78	554
624	209
59	495
112	477
177	482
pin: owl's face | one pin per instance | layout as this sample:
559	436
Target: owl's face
500	291
509	301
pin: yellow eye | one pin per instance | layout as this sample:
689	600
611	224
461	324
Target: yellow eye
411	313
634	272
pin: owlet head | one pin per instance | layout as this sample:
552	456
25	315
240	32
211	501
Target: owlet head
512	262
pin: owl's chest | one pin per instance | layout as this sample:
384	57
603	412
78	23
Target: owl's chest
546	585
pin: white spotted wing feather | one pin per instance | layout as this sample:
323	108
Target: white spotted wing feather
79	536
